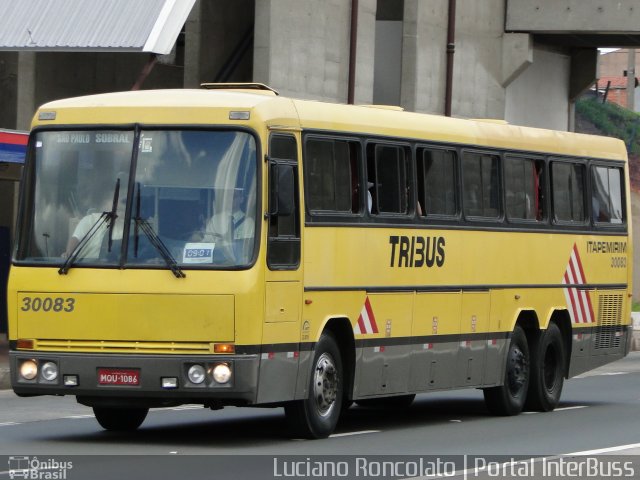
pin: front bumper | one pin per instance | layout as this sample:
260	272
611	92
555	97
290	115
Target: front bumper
241	389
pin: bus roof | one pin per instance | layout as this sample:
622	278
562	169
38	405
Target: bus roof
206	107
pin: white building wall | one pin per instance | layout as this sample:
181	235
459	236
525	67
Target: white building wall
539	97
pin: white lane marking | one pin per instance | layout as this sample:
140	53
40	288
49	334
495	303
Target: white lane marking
79	416
6	424
604	450
603	374
189	406
363	432
576	407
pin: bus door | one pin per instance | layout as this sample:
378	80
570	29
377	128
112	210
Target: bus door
283	289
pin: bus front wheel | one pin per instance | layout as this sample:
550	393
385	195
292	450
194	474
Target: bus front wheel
509	398
120	419
547	370
317	415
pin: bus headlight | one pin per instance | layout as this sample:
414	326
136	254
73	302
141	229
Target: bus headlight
196	374
28	369
49	371
221	373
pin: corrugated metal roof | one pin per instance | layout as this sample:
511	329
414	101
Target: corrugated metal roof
92	25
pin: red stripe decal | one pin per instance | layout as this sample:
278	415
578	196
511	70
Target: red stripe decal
372	318
13	138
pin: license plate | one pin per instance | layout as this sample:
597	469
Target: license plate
118	376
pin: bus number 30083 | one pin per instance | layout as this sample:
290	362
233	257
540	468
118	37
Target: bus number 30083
48	304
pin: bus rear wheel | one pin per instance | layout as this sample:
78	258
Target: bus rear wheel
317	415
509	398
120	419
547	370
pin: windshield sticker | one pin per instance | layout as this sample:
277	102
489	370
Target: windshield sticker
145	145
198	253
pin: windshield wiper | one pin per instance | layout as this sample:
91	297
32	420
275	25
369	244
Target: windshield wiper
105	216
154	239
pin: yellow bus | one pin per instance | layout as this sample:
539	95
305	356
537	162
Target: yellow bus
229	246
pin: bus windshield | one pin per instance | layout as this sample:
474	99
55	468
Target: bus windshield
180	196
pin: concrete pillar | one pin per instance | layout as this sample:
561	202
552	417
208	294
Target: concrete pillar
424	56
365	55
192	47
302	47
26	94
631	79
8	89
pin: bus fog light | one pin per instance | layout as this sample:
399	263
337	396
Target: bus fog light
221	373
29	369
70	380
169	382
49	371
196	374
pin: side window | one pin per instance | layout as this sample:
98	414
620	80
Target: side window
567	190
331	175
436	171
387	179
283	247
606	195
481	185
524	189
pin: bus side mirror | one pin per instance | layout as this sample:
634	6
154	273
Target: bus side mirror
282	195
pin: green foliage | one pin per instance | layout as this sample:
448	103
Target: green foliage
613	121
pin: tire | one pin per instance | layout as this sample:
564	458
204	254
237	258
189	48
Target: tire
399	401
120	419
318	414
547	370
509	398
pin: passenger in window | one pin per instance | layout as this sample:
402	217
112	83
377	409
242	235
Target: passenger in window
370	197
240	225
233	234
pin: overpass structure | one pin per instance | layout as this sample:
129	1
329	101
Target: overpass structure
520	60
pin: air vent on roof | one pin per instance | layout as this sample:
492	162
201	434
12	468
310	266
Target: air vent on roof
258	87
395	108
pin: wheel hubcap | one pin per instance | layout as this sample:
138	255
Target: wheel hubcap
325	384
518	371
